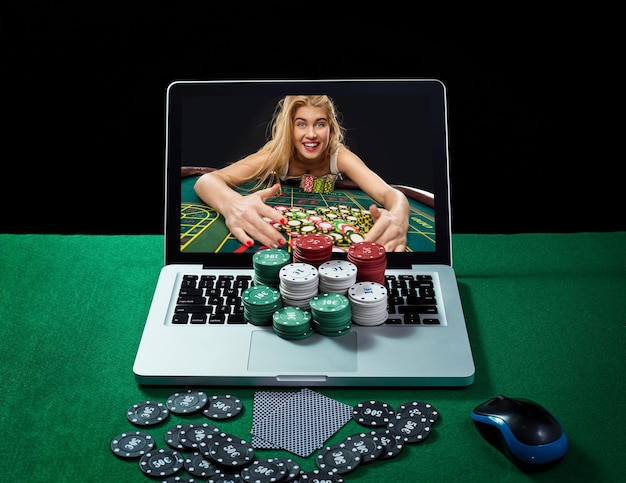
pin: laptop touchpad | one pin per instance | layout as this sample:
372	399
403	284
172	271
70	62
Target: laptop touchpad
318	353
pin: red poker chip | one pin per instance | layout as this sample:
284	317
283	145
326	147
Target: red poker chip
367	250
314	241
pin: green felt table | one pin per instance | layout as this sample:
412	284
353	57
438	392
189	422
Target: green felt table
546	316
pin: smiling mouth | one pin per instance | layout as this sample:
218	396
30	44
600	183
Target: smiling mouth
311	145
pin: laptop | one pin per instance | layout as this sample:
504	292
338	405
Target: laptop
399	128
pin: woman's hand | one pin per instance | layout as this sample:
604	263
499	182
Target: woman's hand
249	218
389	230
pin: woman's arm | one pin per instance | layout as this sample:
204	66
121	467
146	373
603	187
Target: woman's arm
246	216
390	223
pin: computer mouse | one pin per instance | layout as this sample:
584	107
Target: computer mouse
530	433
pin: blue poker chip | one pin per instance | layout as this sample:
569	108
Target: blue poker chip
133	444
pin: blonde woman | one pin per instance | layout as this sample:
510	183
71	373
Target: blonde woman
306	141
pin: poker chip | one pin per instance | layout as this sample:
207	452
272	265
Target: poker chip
373	413
267	263
197	465
147	413
162	462
292	468
187	402
419	408
317	476
194	434
230	451
267	470
173	435
259	303
412	429
312	248
223	406
336	276
391	442
367	444
132	444
298	282
331	314
178	479
369	303
370	259
292	323
339	458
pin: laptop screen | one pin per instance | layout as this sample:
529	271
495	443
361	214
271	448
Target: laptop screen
398	127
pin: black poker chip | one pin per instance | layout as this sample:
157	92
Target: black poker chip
315	476
197	465
266	470
192	435
226	479
230	451
132	444
173	435
292	466
162	462
179	479
338	457
148	413
367	444
391	442
223	406
187	402
421	408
373	413
412	429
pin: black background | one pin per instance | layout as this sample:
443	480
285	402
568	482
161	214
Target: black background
83	92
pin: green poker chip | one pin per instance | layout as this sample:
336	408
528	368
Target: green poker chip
260	295
292	323
329	303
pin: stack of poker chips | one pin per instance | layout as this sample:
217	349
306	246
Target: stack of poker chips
292	323
314	249
259	304
370	259
336	276
298	283
267	263
331	313
368	301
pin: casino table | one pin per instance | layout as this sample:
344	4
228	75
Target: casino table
546	316
343	211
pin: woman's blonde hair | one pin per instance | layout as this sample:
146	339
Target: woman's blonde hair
279	149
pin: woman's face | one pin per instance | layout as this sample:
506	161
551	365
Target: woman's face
311	132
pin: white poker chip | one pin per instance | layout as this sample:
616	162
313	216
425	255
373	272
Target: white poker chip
297	272
368	301
367	292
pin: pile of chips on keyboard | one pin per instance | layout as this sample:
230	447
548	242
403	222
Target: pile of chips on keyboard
331	294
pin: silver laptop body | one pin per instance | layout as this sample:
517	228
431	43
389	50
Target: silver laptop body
399	128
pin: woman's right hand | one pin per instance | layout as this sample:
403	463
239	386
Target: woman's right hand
248	218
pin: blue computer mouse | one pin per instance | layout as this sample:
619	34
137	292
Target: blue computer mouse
530	432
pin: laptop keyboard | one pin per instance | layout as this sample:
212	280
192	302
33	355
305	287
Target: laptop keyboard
216	299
